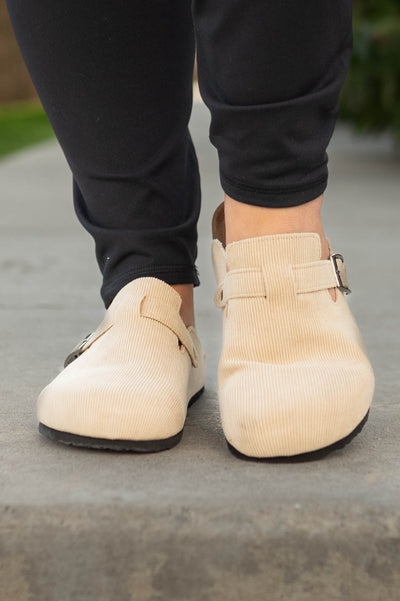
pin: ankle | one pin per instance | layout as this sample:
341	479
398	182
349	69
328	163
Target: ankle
249	221
187	307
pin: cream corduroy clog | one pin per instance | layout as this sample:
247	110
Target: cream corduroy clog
294	376
127	386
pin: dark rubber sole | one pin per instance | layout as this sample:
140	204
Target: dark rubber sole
302	457
105	444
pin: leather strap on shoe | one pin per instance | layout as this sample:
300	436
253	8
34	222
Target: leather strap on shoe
152	308
84	344
308	277
158	310
320	275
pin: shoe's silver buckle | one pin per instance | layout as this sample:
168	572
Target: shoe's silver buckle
78	350
340	272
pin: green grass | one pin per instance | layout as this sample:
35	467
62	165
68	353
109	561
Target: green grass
22	123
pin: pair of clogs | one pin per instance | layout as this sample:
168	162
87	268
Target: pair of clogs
294	376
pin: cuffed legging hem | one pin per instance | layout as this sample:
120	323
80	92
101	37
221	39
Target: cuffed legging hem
273	197
170	274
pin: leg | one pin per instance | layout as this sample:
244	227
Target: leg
115	80
293	374
272	88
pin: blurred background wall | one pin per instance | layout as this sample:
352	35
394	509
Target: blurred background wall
370	99
15	83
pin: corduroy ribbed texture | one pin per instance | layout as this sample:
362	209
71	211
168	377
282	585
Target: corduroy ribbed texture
294	375
138	372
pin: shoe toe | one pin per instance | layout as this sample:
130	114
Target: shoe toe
108	403
285	410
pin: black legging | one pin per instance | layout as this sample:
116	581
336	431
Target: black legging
115	79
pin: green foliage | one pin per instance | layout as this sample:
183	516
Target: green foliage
371	93
22	124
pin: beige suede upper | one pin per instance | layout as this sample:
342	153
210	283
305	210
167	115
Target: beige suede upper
136	374
294	375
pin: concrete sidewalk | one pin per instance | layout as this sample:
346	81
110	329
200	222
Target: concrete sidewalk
192	523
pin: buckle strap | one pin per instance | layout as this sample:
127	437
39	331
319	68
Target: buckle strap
149	307
240	283
77	350
84	344
320	275
308	277
340	271
156	309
